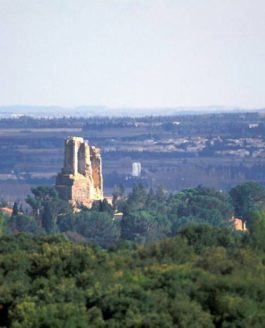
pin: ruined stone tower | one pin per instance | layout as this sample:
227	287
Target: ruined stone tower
80	181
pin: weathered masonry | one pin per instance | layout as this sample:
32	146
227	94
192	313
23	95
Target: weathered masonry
80	181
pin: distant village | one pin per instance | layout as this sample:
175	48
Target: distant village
178	151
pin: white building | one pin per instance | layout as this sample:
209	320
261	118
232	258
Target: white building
136	169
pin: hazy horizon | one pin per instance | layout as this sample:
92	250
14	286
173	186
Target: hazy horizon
103	111
137	54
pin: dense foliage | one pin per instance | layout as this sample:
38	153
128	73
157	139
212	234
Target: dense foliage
173	260
147	215
247	198
204	277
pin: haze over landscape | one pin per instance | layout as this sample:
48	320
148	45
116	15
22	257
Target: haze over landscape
132	54
132	171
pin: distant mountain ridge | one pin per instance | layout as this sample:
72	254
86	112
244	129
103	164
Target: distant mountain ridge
88	111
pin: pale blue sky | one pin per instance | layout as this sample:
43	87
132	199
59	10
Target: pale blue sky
137	53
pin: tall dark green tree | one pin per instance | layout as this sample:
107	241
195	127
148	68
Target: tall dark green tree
41	195
248	198
48	220
15	209
48	207
256	228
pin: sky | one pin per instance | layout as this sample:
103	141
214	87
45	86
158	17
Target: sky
132	53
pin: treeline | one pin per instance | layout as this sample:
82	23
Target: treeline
38	123
225	124
142	216
204	277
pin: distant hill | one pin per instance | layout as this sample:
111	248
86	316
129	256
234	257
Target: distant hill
88	111
44	111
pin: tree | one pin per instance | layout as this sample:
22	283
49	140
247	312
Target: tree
48	207
3	223
117	195
41	195
179	223
137	197
99	228
15	209
24	223
247	198
205	204
201	236
257	230
48	221
141	226
53	211
103	206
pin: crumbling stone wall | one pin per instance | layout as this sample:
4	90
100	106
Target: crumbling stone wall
80	181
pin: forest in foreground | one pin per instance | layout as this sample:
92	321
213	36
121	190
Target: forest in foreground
172	260
204	277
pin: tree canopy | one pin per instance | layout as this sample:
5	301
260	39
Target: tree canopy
247	198
203	277
173	260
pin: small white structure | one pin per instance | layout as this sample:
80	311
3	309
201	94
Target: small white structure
136	169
